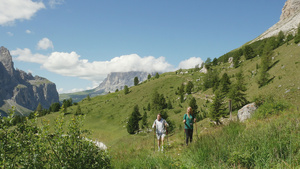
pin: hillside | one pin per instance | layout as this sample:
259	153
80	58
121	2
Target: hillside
106	115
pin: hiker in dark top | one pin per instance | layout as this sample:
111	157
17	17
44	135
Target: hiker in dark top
188	121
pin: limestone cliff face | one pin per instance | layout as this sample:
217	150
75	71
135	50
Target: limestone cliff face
288	23
23	88
117	80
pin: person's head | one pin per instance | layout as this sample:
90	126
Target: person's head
158	116
189	110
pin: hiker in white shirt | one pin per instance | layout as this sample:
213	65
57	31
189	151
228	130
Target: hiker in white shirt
160	125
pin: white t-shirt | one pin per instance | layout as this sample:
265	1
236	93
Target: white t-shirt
160	126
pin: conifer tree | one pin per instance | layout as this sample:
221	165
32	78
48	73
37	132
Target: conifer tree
145	120
88	97
133	122
126	90
149	76
78	110
170	105
39	108
189	87
249	52
225	83
217	108
156	75
194	106
136	81
237	91
297	36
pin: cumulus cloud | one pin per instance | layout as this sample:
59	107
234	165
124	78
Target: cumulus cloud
28	31
190	63
70	64
11	10
53	3
45	43
10	34
25	55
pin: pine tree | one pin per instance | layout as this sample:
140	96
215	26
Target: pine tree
149	107
297	36
133	123
225	83
193	105
189	87
280	38
39	108
145	120
181	89
136	81
78	110
249	52
156	75
126	90
217	108
170	105
149	76
237	92
88	97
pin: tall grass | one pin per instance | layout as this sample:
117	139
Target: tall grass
274	144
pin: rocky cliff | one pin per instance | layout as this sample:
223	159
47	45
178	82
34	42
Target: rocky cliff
289	20
117	80
21	88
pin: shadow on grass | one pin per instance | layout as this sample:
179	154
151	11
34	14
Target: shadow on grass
275	63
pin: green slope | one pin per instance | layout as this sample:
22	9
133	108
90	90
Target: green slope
106	115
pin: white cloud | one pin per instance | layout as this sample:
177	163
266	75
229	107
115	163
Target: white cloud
25	55
10	34
28	31
60	90
53	3
190	63
70	64
45	43
11	10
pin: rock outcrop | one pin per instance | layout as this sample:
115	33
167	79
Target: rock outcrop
288	23
246	112
117	80
22	88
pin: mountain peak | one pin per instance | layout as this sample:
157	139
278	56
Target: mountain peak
288	23
6	60
290	9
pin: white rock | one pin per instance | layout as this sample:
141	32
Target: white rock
246	112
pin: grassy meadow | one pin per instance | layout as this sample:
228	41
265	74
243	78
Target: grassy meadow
268	141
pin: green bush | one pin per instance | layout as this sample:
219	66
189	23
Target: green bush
268	106
28	145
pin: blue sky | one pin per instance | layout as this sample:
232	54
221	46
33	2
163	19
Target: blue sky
76	43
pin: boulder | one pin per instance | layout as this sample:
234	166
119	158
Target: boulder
203	70
230	60
246	112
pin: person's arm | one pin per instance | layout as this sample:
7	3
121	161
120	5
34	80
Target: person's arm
166	123
154	124
184	118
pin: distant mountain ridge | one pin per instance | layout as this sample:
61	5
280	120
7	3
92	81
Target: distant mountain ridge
288	23
113	81
21	89
117	80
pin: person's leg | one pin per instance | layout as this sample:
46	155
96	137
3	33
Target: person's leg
191	135
158	141
187	136
162	141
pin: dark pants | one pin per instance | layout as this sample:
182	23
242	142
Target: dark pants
189	135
